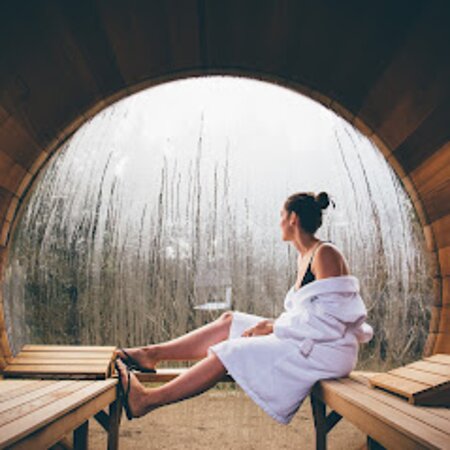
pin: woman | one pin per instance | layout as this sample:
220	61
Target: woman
275	361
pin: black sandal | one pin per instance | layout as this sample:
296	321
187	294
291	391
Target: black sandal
133	364
124	395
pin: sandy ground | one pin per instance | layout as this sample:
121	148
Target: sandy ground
223	419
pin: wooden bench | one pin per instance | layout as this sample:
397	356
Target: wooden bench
388	421
49	391
61	361
36	414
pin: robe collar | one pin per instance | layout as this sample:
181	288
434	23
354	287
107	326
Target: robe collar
342	283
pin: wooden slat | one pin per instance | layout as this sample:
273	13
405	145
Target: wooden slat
67	348
389	426
431	178
417	412
10	172
54	361
428	378
28	403
26	397
398	385
444	261
60	361
424	382
18	391
55	368
441	230
362	376
45	436
426	366
442	340
444	322
439	411
13	384
440	358
36	419
65	355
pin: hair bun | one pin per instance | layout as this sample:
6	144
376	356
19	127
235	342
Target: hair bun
322	199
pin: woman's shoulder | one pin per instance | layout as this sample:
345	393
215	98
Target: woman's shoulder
330	259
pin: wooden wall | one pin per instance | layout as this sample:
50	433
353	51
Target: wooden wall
384	66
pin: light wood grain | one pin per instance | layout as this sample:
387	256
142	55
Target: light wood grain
64	355
44	426
421	413
68	348
420	376
398	385
30	403
439	358
431	367
390	426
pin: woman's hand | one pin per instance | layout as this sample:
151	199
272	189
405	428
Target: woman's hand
260	329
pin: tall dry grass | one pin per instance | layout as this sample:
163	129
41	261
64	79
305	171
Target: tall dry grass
91	263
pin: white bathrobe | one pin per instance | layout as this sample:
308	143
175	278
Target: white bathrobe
316	337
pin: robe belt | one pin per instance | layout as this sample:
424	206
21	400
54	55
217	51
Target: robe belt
306	345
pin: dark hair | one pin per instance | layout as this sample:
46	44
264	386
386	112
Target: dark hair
308	207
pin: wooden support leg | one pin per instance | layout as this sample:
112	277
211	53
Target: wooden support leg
115	414
80	437
320	423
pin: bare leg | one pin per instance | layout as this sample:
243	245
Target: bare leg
191	346
197	379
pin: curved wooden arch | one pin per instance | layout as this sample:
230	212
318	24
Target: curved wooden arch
384	67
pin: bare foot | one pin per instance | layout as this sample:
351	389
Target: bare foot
144	356
139	402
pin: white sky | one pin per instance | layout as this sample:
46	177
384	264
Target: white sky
273	133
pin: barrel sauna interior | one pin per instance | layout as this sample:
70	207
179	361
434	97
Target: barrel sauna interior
383	66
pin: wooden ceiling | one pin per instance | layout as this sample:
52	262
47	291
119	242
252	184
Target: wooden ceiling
384	66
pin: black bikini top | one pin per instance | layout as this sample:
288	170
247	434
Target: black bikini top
309	276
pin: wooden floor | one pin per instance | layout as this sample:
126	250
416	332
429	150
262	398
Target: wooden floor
38	413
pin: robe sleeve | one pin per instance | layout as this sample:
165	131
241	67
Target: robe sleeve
325	317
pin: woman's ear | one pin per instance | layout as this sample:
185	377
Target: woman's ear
293	219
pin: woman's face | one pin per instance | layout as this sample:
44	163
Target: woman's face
287	224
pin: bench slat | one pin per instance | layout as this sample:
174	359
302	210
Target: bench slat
60	361
431	367
8	405
439	411
13	384
30	403
44	437
67	348
57	371
399	385
431	379
417	412
64	355
29	387
441	358
37	418
386	424
54	368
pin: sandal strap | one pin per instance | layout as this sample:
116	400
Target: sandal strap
133	364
